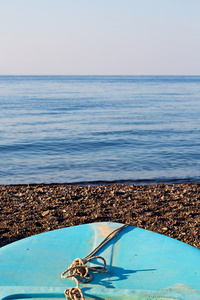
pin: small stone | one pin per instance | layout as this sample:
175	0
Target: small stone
45	213
164	228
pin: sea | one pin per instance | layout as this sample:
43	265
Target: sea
99	129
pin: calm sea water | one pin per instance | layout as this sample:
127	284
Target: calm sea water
132	129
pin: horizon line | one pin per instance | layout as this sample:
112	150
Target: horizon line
99	75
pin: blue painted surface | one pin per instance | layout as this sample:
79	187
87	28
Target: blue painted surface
141	264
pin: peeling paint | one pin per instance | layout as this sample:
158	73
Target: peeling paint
180	287
104	229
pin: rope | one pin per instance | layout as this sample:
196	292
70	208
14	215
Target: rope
79	269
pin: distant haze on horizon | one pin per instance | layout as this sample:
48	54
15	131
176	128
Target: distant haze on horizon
92	37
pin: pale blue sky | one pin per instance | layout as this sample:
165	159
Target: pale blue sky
111	37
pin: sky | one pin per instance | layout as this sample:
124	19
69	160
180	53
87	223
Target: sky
99	37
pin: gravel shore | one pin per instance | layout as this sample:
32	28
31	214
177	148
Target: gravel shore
173	210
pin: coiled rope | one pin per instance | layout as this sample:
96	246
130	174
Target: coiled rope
79	272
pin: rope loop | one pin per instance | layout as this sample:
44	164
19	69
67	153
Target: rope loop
79	269
76	268
74	293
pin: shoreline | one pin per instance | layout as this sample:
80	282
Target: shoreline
154	181
169	209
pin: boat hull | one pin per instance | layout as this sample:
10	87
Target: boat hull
141	265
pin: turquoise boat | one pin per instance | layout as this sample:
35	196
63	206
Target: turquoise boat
140	264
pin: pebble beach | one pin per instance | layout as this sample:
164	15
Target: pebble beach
172	210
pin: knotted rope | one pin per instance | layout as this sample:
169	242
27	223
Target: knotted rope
79	269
